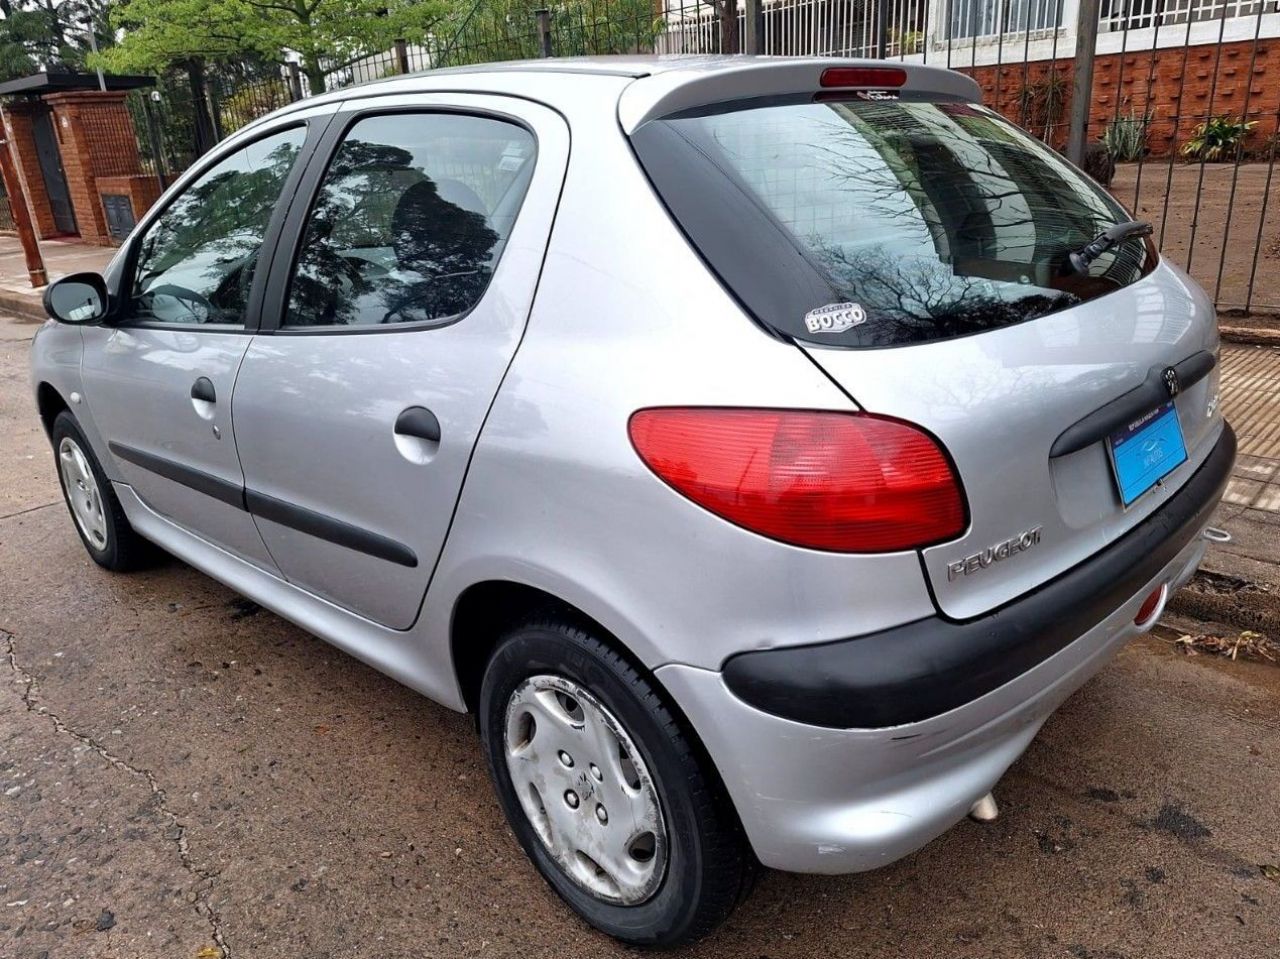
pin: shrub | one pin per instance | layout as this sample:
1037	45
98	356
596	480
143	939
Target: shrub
1126	137
1042	103
1218	138
1099	163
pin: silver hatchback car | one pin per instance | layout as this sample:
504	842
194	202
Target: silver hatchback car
761	449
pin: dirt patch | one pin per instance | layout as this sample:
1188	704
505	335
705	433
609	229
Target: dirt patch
1176	821
1211	220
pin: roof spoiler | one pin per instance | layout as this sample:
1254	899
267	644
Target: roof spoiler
671	91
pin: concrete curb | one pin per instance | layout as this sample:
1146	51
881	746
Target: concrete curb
1249	335
22	305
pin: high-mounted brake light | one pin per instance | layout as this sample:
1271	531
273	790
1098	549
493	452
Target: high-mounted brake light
846	482
879	78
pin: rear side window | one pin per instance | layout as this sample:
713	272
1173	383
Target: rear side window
410	220
879	223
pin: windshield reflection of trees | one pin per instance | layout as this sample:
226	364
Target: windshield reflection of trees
999	211
202	251
424	257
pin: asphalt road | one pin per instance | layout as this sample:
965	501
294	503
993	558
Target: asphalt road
181	773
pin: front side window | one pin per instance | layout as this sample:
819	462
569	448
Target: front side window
410	220
196	261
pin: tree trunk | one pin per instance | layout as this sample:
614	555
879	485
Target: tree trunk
205	133
729	27
315	73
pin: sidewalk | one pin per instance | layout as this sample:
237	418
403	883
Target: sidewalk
1238	586
17	296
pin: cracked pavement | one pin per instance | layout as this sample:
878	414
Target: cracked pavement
183	776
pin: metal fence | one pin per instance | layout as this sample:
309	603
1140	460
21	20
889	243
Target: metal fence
1183	110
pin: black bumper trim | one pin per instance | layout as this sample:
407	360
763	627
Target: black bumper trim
913	672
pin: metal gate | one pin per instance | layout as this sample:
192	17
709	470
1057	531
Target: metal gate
55	178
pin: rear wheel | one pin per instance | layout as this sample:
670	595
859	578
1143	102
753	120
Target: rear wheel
604	790
98	515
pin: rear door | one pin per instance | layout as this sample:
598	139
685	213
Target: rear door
918	249
396	313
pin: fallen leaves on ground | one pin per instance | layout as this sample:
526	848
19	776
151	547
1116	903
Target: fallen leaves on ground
1248	645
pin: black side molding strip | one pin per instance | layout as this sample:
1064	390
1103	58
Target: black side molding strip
268	507
1105	420
923	669
227	492
329	529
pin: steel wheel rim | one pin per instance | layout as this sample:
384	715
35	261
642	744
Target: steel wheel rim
585	790
80	487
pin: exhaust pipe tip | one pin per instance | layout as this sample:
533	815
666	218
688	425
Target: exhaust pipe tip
985	809
1215	535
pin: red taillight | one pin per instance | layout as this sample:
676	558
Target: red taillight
1152	605
880	78
847	482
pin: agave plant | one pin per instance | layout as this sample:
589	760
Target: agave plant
1218	138
1126	137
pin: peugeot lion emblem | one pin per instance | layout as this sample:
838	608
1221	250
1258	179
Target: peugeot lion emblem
1171	381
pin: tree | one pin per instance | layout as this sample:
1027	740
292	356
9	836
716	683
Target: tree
44	35
326	35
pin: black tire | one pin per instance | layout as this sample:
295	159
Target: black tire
709	867
123	549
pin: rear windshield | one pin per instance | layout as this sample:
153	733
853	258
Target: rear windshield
869	223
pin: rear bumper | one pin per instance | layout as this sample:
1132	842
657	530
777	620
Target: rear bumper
856	753
912	672
822	800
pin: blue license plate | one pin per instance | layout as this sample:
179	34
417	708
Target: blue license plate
1146	451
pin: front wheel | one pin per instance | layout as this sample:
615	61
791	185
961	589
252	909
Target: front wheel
98	515
605	791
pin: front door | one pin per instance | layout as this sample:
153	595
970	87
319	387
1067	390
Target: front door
415	271
159	381
55	178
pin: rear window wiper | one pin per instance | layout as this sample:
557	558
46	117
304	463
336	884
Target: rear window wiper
1081	258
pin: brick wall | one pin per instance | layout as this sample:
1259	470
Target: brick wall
1179	90
96	136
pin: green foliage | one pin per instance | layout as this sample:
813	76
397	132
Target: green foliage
1042	103
1218	138
35	35
508	29
902	42
327	35
1126	137
250	100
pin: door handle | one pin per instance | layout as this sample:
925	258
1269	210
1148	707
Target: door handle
418	422
202	389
